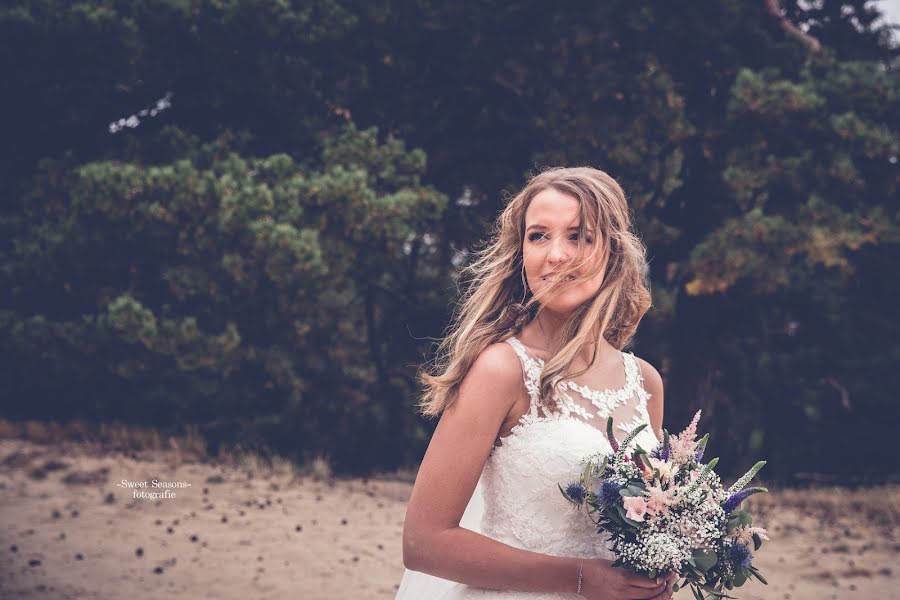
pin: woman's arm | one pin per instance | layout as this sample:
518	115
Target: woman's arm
653	383
433	541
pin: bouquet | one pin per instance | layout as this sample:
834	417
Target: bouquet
666	511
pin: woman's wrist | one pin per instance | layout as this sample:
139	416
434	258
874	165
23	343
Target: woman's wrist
561	574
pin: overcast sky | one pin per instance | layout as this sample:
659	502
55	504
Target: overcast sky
891	10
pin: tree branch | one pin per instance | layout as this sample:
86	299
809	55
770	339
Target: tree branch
773	7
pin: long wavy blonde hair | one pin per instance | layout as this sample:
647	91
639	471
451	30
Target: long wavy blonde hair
498	302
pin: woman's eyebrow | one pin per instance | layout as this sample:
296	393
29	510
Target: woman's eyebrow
539	226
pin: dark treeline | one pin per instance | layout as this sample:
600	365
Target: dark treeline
270	258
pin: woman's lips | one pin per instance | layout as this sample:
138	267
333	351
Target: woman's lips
557	277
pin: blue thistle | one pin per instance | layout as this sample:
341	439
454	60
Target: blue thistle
608	491
740	556
735	500
576	492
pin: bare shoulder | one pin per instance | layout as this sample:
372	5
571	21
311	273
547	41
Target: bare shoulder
498	359
495	374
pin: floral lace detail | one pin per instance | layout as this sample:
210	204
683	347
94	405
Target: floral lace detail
627	427
604	401
531	367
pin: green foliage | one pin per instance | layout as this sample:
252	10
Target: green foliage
221	278
788	224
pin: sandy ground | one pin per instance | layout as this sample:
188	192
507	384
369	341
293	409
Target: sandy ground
68	530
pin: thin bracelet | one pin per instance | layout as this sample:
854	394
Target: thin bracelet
580	568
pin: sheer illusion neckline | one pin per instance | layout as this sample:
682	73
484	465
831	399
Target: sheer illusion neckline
579	386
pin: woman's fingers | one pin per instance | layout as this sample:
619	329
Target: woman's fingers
642	581
667	591
643	592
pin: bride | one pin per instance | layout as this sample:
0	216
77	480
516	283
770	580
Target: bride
524	383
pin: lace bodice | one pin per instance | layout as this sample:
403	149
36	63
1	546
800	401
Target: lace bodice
523	505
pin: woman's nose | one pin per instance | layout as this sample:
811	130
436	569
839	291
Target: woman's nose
559	252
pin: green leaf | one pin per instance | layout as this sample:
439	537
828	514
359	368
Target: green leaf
757	541
633	490
758	575
704	559
701	443
745	478
739	518
586	473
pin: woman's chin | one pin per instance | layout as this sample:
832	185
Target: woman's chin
565	304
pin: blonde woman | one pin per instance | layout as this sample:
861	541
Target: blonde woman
531	369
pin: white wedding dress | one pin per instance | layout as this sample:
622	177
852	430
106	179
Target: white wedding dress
517	500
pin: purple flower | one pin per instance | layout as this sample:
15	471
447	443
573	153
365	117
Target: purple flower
664	450
740	556
735	500
576	492
608	492
609	435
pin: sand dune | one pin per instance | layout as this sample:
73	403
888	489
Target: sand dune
70	528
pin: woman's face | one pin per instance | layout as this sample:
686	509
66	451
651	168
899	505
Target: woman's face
552	229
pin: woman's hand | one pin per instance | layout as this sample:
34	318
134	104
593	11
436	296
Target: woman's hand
602	581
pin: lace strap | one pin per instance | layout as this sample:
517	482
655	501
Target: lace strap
531	372
643	394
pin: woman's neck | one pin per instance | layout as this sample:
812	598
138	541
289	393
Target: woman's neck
539	335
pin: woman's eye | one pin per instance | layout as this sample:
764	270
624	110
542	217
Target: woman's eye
587	240
537	235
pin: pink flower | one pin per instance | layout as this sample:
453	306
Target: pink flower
683	445
658	500
745	534
690	432
636	507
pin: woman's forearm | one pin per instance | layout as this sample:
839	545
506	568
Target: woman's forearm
462	555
